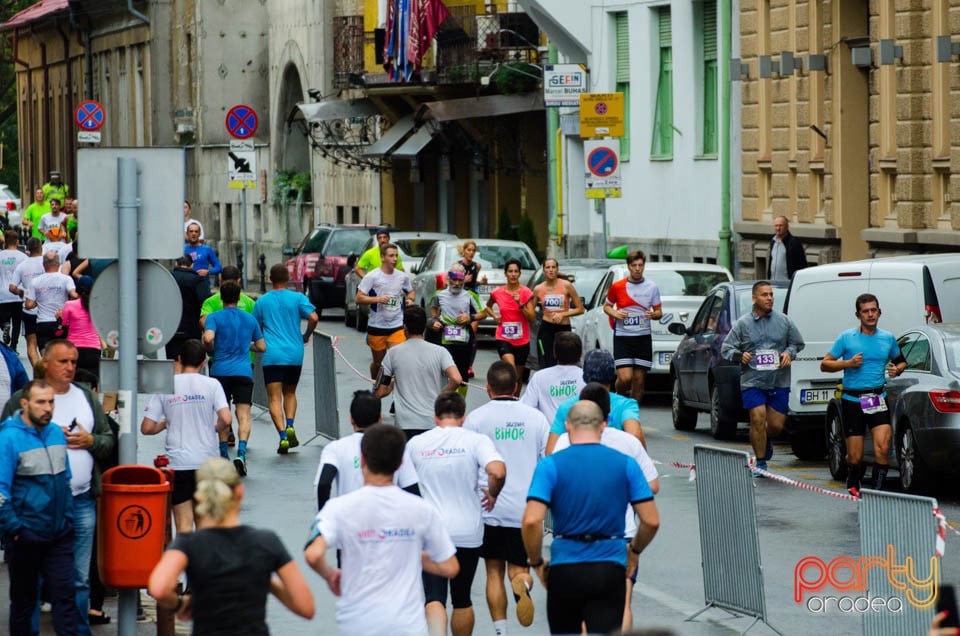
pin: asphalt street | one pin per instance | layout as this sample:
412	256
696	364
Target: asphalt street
792	523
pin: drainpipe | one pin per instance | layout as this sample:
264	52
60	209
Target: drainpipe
136	13
553	184
724	255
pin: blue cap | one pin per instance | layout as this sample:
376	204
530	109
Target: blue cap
598	366
85	282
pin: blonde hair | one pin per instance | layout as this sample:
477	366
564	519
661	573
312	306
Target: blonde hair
463	246
216	481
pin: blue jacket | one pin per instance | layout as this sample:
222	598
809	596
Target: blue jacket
35	496
12	375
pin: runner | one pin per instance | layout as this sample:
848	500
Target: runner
452	310
516	310
448	460
549	388
387	290
519	433
388	538
559	301
471	280
22	275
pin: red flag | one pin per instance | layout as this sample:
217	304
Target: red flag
426	16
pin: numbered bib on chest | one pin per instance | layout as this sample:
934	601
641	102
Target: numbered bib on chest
636	322
512	330
393	304
455	334
767	360
872	403
553	302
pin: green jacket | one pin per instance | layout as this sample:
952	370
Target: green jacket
104	440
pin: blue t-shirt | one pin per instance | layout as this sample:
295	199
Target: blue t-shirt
621	409
588	506
877	350
203	258
235	330
278	312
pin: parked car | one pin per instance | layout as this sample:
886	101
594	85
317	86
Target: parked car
682	289
702	380
913	290
319	264
924	406
10	206
413	246
491	254
586	275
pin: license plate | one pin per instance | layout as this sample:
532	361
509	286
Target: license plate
484	289
815	396
665	357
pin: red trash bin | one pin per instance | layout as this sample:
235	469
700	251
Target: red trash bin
131	521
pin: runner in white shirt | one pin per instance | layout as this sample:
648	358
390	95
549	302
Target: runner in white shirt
48	293
628	445
387	290
340	459
519	433
26	272
449	461
192	417
388	538
56	242
11	305
550	387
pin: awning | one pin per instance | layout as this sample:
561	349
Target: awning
36	12
391	138
330	109
412	146
485	106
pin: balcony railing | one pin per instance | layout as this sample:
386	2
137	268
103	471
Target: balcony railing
478	42
347	48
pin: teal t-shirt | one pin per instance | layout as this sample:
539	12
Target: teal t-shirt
278	312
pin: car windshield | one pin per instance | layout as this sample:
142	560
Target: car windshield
495	256
685	282
585	281
745	300
314	242
416	247
344	242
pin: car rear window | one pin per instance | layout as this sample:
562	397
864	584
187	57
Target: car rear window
416	247
343	242
685	282
497	255
315	241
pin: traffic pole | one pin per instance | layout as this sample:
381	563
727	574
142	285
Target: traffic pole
243	235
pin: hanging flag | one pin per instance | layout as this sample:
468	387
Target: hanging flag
426	16
410	28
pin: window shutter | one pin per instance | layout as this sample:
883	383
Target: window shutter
623	47
665	26
710	29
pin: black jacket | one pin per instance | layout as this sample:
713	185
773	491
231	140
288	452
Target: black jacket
796	256
193	291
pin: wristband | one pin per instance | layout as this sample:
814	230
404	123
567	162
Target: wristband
535	565
633	549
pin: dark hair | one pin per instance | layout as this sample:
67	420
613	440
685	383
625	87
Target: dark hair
279	274
388	246
636	255
382	448
58	200
449	404
757	285
512	261
567	347
192	353
34	245
83	293
382	230
415	320
11	237
88	377
230	272
185	261
599	395
365	408
863	299
502	378
230	293
29	386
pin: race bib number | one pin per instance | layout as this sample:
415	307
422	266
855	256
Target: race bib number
512	330
553	302
454	334
767	360
393	304
636	322
872	403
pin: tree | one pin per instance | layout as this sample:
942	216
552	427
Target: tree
10	173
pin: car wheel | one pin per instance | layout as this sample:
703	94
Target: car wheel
684	417
808	447
914	473
836	446
721	424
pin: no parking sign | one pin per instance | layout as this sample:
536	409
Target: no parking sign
602	164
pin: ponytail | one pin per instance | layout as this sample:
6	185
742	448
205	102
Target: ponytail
216	481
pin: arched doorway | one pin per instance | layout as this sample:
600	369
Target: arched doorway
293	156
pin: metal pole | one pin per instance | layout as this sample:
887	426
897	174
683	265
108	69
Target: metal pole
602	209
243	234
725	255
128	206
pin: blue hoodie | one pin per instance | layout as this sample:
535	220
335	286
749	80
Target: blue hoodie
35	496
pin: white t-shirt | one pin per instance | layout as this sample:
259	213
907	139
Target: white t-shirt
191	414
26	272
51	291
382	532
63	250
549	387
66	407
187	224
448	460
48	221
9	259
344	455
519	433
628	445
419	371
396	286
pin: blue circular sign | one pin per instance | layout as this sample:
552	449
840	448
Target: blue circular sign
89	115
241	121
602	161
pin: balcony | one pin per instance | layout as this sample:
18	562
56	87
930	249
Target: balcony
347	49
472	44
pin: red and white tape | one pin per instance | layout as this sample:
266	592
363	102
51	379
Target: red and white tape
799	484
680	465
337	351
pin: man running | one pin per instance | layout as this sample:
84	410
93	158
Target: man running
371	259
519	433
388	538
192	416
632	303
48	293
279	312
11	305
448	460
863	354
549	388
22	275
387	290
764	342
452	310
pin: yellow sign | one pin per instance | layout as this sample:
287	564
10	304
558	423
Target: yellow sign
242	185
604	193
601	115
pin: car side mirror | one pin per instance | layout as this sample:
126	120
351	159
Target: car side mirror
288	251
678	329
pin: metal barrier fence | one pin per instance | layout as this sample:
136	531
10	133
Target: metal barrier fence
729	543
259	388
325	412
899	531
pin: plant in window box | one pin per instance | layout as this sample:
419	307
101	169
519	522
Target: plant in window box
517	78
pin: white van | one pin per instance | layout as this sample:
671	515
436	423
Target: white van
912	290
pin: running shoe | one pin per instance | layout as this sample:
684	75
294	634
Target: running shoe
470	373
231	440
284	447
524	602
853	490
292	437
240	463
761	465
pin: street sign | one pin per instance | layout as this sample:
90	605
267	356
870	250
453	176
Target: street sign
602	163
89	115
87	137
242	165
242	121
563	84
601	115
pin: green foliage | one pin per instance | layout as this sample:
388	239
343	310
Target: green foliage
504	228
288	185
517	78
526	233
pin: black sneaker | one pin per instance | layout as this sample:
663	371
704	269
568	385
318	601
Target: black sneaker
240	463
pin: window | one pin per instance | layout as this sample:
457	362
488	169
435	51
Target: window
916	350
339	214
661	146
623	78
709	8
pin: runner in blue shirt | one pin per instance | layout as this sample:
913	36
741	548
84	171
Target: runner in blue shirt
205	261
864	354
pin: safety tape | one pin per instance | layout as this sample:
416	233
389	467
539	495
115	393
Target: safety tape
942	526
798	484
681	465
337	351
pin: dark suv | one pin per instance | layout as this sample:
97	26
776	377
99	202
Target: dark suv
319	263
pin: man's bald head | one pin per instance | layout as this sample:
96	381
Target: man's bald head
585	414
